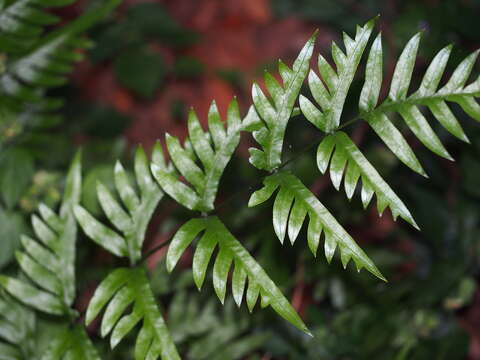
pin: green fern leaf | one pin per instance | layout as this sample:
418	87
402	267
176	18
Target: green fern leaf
348	159
277	111
17	329
130	287
228	338
213	149
23	21
72	344
50	262
47	64
292	204
331	97
132	222
428	95
35	62
231	252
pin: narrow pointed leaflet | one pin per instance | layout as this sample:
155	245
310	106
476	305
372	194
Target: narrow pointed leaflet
124	288
49	261
331	90
292	204
246	271
276	112
214	150
131	218
410	107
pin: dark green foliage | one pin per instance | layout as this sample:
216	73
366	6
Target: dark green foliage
17	328
141	71
356	314
43	63
122	288
16	170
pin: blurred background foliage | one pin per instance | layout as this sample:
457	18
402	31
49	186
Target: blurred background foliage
151	62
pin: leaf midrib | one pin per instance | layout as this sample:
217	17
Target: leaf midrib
277	130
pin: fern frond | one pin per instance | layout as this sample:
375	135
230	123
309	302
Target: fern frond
214	150
23	21
17	329
130	287
38	61
227	338
131	218
277	111
50	60
292	204
188	318
428	95
345	157
332	92
408	106
72	344
231	252
50	262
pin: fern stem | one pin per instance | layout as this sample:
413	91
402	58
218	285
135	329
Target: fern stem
154	250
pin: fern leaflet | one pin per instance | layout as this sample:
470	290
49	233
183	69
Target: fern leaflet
133	222
332	95
17	328
23	21
231	252
43	63
213	149
292	204
122	288
49	263
51	59
428	95
348	159
276	112
72	344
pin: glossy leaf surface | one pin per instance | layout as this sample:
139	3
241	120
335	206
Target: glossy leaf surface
331	90
345	158
247	273
129	287
213	149
428	95
293	203
277	111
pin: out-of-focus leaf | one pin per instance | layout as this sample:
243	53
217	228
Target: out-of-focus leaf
73	343
17	329
49	262
130	218
141	71
16	171
12	225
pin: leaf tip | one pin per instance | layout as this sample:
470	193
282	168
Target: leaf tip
413	223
